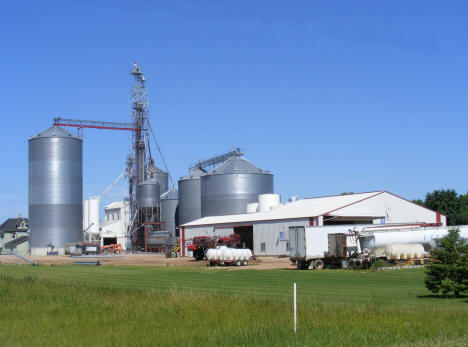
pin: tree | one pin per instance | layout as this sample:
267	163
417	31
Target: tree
446	202
463	215
448	272
419	202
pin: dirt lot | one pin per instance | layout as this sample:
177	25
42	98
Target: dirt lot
262	263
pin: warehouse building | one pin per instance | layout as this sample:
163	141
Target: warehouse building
265	230
115	225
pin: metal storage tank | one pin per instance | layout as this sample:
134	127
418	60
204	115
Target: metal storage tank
55	189
147	200
85	214
169	204
93	215
162	177
190	197
229	187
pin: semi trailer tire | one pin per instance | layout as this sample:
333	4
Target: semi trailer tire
319	264
299	265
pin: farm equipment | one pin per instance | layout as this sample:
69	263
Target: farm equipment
114	248
200	244
171	251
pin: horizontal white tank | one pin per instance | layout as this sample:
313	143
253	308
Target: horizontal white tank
228	254
267	201
252	208
398	251
425	236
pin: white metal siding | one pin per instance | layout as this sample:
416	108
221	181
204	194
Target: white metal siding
393	208
269	233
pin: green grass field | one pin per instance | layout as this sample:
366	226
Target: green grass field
66	305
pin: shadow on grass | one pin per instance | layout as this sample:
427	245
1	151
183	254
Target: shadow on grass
441	296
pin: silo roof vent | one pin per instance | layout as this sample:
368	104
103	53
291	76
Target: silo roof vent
55	131
238	165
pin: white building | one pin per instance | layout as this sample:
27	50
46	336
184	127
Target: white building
115	224
266	232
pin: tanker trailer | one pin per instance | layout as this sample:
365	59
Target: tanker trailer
404	244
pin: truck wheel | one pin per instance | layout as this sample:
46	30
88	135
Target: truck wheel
299	265
318	264
199	255
245	262
221	262
238	263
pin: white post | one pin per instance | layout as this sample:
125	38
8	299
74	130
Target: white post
295	320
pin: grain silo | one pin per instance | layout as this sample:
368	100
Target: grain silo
169	204
190	197
148	207
147	200
229	187
161	177
55	190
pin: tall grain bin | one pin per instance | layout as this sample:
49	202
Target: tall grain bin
55	190
229	187
161	177
147	200
190	197
169	204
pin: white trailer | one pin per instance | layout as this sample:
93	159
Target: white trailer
318	247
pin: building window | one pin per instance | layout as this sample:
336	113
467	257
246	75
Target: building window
118	215
288	246
262	247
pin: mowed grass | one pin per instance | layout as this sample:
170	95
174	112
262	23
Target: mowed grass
71	305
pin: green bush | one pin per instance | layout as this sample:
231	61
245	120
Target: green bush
448	273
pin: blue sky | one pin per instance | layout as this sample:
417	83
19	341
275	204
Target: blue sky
331	96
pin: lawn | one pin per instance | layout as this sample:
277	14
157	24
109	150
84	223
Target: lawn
71	305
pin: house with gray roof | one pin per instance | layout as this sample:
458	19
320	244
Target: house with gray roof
14	236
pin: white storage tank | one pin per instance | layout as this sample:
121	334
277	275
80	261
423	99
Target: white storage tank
252	208
85	214
267	201
93	215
